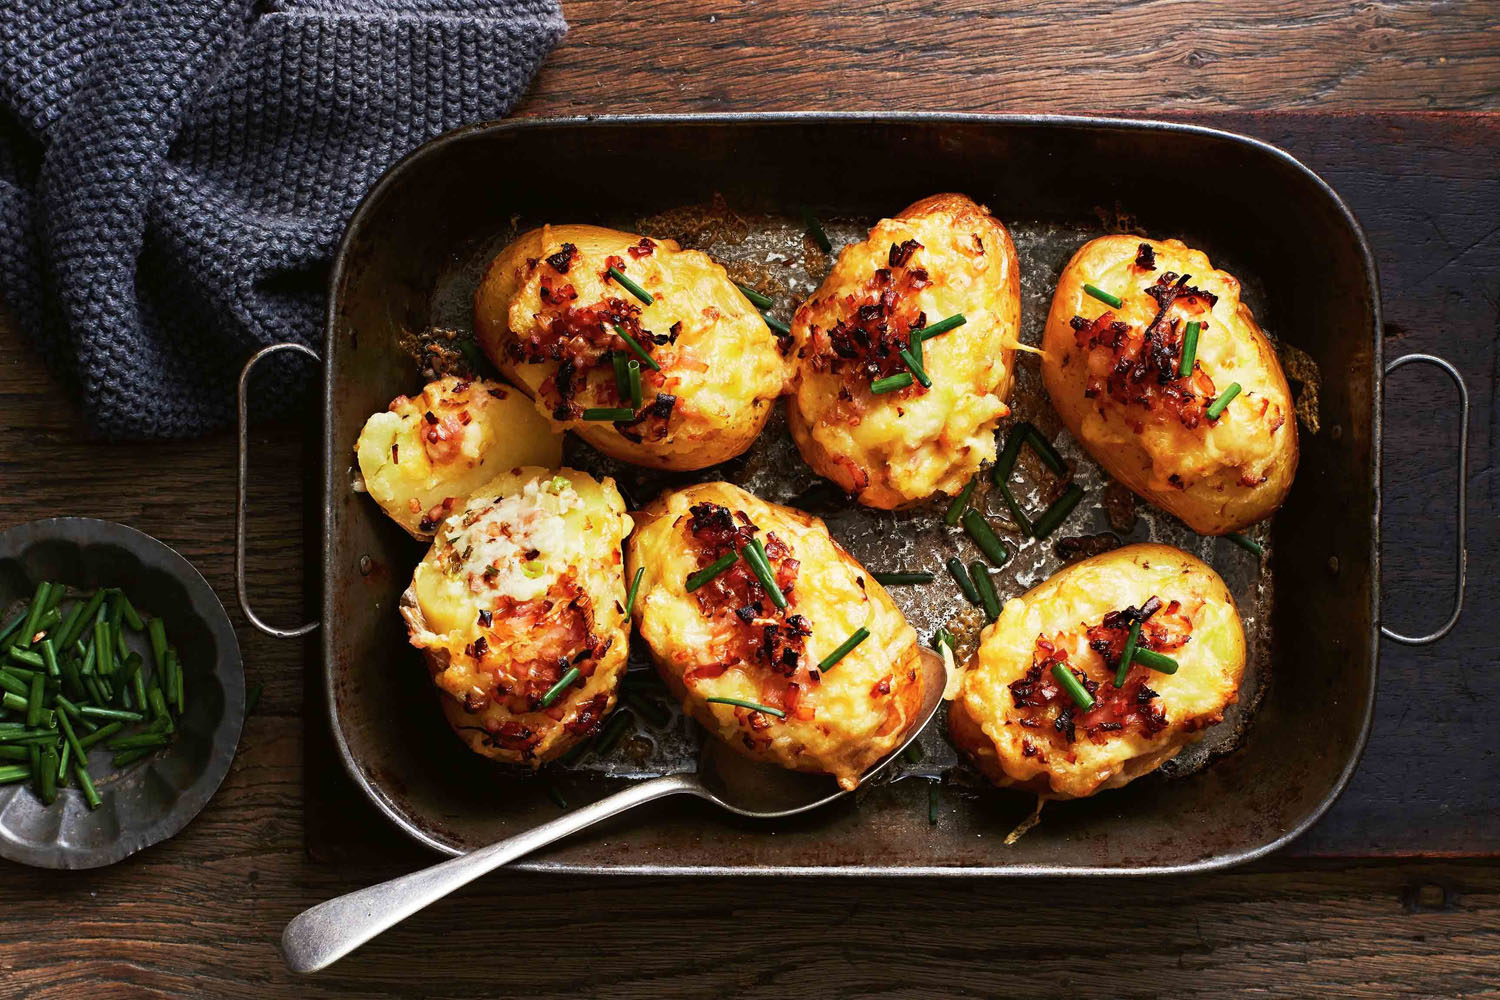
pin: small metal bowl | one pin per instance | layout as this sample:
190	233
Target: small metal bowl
154	798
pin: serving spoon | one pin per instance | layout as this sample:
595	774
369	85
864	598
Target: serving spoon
323	934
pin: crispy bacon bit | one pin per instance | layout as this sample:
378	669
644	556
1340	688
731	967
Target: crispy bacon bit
478	648
563	259
589	716
475	701
1145	257
396	453
612	261
1028	748
512	735
874	325
642	249
901	252
555	293
881	688
486	617
579	339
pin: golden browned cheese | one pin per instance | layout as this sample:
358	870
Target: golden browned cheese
546	313
522	581
422	457
838	721
1119	393
895	449
1021	729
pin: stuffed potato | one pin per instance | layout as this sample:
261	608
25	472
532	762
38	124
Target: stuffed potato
423	457
942	257
1022	729
726	638
552	317
519	610
1114	375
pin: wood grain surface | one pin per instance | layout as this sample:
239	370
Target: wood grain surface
199	915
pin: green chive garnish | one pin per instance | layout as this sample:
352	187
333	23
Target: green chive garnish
34	703
902	579
1112	301
960	502
653	713
1128	654
111	713
555	795
984	536
753	706
932	801
105	644
1159	662
622	375
612	413
1070	684
758	299
1044	450
1058	512
943	326
610	737
633	383
635	586
961	577
33	615
81	772
912	754
555	691
1189	349
941	638
914	339
1217	406
1246	543
132	616
891	383
13	773
1004	466
986	588
14	702
635	346
760	564
815	229
859	635
776	324
707	573
631	286
917	371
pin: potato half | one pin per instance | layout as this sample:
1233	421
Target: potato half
1021	729
1112	372
727	639
943	256
523	584
549	315
423	457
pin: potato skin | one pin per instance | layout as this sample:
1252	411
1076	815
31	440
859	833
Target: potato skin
839	721
900	448
725	367
420	471
985	718
1217	476
570	608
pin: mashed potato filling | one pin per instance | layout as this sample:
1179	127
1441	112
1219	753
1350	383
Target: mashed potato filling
514	546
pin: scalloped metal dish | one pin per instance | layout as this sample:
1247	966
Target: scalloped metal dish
407	268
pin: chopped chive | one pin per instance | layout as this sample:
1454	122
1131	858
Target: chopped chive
943	326
1217	406
15	702
986	588
71	737
62	764
633	383
780	328
555	795
49	657
90	609
956	508
942	637
753	706
139	740
1110	300
984	536
619	360
13	773
914	339
902	579
961	577
858	636
1159	662
760	565
1128	654
157	632
1189	349
253	698
707	573
631	286
35	612
20	672
648	710
610	738
635	586
81	772
636	347
60	634
132	616
891	383
13	684
93	739
1004	466
111	713
1044	450
1070	684
932	801
178	694
26	656
1246	543
48	777
611	413
104	643
555	691
34	704
815	230
912	754
917	371
159	715
15	752
12	628
127	757
1058	512
758	299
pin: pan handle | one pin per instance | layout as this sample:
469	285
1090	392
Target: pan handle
239	506
1463	502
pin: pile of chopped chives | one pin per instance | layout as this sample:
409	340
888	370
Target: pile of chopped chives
71	682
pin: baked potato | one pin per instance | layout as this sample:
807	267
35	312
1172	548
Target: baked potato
423	457
550	316
726	638
522	591
944	256
1013	717
1112	372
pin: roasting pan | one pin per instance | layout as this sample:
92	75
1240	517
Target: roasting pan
737	186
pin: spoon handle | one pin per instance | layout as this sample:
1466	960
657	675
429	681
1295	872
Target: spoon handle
323	934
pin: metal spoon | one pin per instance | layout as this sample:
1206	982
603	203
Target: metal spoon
322	935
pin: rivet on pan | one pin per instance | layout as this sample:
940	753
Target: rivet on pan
365	565
1336	431
1333	564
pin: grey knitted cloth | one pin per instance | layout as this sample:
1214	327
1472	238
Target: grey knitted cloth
175	173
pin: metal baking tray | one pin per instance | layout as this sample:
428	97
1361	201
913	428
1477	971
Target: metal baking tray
736	186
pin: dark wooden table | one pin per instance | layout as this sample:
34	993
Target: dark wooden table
1395	892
